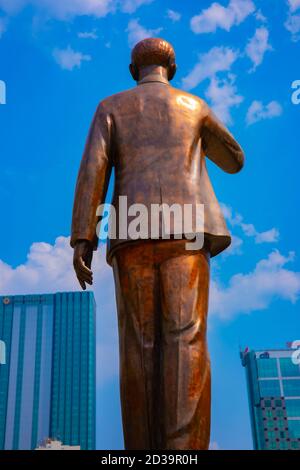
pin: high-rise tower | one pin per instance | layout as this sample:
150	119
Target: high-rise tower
47	384
273	381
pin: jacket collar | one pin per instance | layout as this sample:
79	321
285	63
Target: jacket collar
153	77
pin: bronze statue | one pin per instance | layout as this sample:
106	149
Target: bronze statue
156	138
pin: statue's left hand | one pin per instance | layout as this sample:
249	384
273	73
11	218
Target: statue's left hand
82	260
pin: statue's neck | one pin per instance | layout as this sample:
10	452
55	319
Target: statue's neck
152	70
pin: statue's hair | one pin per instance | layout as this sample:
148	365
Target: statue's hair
153	51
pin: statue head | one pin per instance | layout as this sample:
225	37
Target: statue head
152	52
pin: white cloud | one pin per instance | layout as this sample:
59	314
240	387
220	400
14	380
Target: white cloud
173	15
66	9
258	111
292	23
88	34
257	46
222	95
294	4
68	59
260	17
217	59
256	290
130	6
218	16
48	268
269	236
137	32
235	247
236	220
62	9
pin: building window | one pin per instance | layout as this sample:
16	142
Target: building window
280	423
283	445
271	435
294	428
295	445
272	445
293	408
267	368
291	387
288	369
279	413
269	388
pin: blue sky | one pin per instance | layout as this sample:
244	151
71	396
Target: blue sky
58	59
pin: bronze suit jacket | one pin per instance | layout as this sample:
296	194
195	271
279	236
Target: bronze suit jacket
156	138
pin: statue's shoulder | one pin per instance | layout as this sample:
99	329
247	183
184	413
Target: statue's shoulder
114	100
190	100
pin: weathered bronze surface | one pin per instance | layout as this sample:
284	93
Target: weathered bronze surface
156	138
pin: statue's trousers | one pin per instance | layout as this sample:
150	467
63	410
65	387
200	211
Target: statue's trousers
162	302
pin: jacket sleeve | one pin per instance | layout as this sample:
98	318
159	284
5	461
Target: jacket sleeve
93	178
219	145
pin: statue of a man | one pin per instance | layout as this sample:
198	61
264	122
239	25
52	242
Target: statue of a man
156	138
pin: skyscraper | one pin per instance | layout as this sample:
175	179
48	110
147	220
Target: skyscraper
273	381
47	384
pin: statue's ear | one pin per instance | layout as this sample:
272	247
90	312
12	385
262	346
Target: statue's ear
134	71
172	70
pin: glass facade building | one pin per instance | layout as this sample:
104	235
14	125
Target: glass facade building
273	381
47	384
